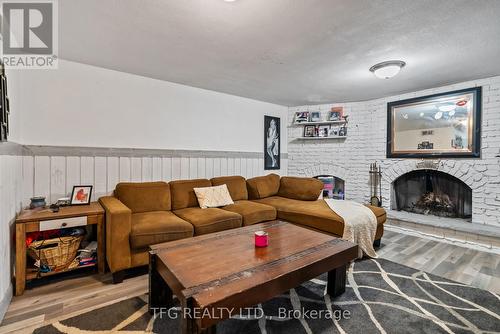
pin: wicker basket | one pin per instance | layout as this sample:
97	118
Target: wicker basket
56	253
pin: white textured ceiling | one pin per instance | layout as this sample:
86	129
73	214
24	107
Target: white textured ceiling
289	52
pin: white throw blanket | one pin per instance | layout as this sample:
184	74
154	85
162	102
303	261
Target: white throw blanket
360	224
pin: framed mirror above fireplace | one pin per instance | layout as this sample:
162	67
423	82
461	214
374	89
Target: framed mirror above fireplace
436	126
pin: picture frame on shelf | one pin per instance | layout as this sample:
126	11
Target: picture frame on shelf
333	131
315	116
336	114
309	131
301	117
323	131
81	195
343	131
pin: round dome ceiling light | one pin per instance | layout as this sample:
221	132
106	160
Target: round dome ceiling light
387	69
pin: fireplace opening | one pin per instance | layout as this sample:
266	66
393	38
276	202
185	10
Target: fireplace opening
334	187
432	192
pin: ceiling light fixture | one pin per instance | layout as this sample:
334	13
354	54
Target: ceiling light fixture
387	69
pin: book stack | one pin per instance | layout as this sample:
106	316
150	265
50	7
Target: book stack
88	255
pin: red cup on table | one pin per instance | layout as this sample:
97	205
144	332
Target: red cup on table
261	239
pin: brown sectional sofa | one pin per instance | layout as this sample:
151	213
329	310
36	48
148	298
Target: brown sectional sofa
185	206
143	214
251	212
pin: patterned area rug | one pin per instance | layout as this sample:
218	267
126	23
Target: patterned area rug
381	297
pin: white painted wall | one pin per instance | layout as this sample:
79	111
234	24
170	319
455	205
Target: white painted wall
366	143
82	105
10	204
11	180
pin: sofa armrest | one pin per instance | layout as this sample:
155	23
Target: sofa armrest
118	227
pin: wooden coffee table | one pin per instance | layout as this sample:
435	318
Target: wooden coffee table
224	271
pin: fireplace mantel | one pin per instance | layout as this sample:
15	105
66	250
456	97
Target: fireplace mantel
428	164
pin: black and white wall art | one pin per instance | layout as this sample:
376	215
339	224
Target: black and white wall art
271	143
4	105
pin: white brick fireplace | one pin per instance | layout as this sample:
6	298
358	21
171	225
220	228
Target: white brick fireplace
349	159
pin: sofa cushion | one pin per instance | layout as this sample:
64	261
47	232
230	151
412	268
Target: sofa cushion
144	196
263	186
301	188
154	227
237	186
252	212
213	197
183	195
209	220
315	214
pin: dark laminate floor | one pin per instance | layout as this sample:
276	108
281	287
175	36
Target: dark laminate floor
64	299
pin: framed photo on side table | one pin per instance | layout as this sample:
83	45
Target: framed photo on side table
81	195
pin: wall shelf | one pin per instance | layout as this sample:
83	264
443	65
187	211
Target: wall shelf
321	138
319	123
321	126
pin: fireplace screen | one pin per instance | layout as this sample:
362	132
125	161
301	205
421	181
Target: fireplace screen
433	192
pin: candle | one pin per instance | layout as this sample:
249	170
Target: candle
261	239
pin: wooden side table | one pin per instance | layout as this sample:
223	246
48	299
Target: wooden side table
44	220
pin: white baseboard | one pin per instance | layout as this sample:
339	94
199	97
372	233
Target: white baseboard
5	301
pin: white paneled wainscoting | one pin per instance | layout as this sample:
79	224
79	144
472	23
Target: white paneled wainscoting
53	171
49	171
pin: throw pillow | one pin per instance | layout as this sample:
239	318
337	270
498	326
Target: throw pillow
213	197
